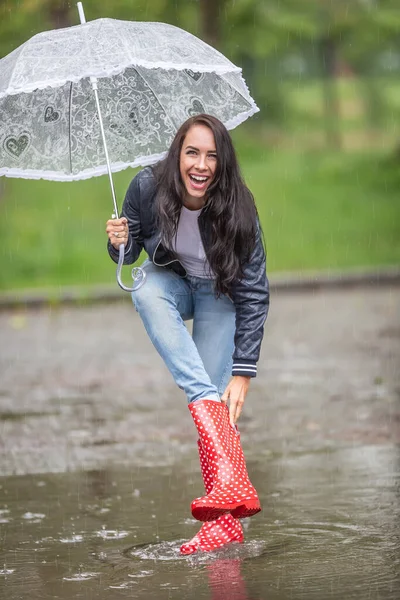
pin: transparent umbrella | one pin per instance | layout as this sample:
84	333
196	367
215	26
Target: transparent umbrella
105	95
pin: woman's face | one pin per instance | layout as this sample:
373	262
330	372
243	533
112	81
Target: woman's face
198	162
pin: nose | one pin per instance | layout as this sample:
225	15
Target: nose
201	164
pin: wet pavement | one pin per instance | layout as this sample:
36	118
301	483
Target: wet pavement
98	457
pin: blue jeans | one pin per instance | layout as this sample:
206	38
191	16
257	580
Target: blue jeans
200	364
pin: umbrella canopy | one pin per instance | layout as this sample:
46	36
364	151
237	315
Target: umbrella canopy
151	78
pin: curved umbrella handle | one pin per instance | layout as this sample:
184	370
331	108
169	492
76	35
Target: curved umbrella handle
138	275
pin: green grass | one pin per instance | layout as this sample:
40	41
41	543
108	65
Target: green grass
318	210
326	212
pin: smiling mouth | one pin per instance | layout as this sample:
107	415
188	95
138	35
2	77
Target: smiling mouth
199	179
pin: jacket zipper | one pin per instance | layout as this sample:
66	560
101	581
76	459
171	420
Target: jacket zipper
167	263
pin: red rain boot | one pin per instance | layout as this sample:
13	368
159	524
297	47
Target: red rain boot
217	533
232	490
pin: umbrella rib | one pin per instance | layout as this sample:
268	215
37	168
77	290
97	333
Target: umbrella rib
139	70
69	127
236	88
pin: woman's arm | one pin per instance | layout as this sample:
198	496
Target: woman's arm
251	299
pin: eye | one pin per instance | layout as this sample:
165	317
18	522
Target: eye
212	156
190	152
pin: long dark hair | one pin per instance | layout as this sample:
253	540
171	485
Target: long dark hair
229	204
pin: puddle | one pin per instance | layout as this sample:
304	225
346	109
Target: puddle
329	529
97	483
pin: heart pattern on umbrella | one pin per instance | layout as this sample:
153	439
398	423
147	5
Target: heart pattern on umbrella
16	145
51	115
194	74
133	117
196	108
49	126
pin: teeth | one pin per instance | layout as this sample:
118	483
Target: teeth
197	178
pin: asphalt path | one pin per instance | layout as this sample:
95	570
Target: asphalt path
82	386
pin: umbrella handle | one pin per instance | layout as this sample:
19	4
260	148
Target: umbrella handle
138	275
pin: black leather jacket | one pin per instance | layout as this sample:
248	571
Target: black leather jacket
250	295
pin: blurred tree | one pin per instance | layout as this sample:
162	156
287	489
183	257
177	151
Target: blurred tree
256	34
59	13
211	13
373	49
321	24
343	35
18	24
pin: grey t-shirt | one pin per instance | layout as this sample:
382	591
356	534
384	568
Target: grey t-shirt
189	246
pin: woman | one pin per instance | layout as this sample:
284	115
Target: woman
197	221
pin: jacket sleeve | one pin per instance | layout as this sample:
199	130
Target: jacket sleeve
250	296
131	210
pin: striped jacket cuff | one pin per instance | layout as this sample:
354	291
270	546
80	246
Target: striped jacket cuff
246	368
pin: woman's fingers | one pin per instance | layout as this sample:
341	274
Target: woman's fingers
235	404
117	231
232	413
117	225
236	393
225	396
235	408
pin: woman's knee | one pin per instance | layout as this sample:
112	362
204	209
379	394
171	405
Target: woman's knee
146	297
156	293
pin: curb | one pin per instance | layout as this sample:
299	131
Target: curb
389	276
283	283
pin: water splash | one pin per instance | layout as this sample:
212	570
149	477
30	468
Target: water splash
33	517
3	518
112	534
121	586
81	576
141	574
75	538
170	551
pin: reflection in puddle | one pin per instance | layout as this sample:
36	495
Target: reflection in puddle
226	581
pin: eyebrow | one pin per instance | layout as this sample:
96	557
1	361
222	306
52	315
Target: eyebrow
197	150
